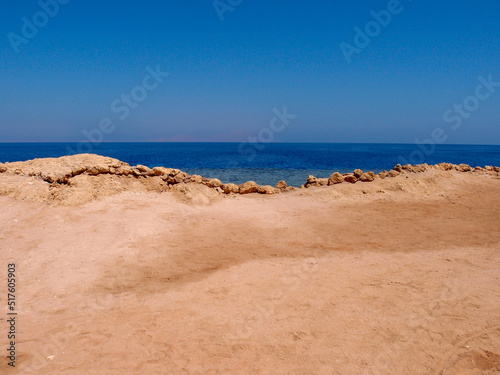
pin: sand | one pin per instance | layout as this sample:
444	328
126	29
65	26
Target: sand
396	276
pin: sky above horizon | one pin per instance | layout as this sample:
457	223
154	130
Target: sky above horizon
283	71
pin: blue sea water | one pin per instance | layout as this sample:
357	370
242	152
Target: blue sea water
267	164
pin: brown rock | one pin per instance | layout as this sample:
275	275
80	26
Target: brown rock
408	167
230	188
478	169
267	189
142	168
335	178
393	173
177	178
212	183
3	168
463	168
444	166
367	177
161	171
488	167
248	187
281	185
291	188
350	178
323	181
196	179
496	169
98	169
397	168
382	175
123	170
357	173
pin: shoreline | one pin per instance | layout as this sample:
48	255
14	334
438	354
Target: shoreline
52	176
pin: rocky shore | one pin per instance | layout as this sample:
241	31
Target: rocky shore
55	178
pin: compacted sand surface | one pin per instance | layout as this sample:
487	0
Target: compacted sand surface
396	276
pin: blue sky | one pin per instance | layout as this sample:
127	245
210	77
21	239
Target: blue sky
226	76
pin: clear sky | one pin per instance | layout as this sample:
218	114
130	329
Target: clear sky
232	62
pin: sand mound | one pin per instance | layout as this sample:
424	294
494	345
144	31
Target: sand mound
79	179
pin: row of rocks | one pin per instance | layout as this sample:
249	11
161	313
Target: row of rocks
61	170
359	175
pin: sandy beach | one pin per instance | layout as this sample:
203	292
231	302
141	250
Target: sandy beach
129	274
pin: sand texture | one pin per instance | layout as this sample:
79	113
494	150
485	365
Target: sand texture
131	270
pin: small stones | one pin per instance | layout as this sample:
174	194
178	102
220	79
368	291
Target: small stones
358	173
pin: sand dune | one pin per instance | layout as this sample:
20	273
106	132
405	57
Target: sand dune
127	275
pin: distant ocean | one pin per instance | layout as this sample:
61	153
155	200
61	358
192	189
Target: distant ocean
266	163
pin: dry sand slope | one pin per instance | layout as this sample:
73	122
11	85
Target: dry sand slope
396	276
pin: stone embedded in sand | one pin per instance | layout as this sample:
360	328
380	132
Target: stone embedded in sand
357	173
444	166
248	187
311	181
335	178
496	169
488	167
98	169
212	183
463	167
267	189
478	169
393	173
397	168
230	188
196	179
281	184
407	167
323	181
142	168
160	171
3	168
123	170
367	177
382	175
176	177
351	179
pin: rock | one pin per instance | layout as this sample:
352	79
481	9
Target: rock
212	183
323	181
488	168
3	168
290	188
98	169
350	178
407	167
230	188
357	173
161	171
496	169
123	170
367	177
444	166
248	187
281	185
60	170
311	181
382	175
142	168
393	173
267	189
397	168
335	178
463	168
478	169
177	178
196	179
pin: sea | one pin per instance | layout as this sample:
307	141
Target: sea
267	163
